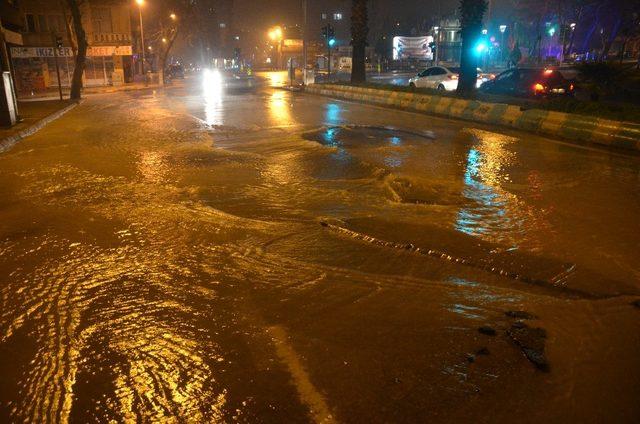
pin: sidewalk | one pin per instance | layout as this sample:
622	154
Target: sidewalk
34	115
54	94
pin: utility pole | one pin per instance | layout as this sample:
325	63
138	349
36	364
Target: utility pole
304	42
329	33
140	3
57	45
329	63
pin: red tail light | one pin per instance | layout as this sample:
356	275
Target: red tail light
571	87
538	88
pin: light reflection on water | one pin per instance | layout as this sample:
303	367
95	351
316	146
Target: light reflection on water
333	115
277	78
280	108
494	213
212	91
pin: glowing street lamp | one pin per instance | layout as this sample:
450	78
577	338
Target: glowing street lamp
275	34
173	16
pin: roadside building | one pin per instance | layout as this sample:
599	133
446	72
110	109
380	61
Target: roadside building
48	45
10	35
11	25
448	41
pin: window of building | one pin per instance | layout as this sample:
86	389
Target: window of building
56	23
223	25
337	16
324	16
30	20
101	19
42	23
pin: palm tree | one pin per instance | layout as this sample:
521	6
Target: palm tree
359	32
471	13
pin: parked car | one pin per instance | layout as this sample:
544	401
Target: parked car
534	82
443	78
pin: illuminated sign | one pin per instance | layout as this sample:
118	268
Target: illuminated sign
412	48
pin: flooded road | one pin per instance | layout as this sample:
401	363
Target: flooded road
219	254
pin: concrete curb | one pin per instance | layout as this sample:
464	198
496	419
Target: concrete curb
577	128
8	142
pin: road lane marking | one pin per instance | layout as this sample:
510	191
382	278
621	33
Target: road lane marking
309	395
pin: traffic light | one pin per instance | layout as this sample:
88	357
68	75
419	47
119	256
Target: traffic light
329	33
59	42
331	36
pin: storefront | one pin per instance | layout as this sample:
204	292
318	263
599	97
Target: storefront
35	67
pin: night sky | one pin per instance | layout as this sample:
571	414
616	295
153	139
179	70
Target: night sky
250	13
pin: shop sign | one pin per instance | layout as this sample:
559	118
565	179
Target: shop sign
26	52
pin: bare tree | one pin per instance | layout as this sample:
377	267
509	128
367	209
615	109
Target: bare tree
81	54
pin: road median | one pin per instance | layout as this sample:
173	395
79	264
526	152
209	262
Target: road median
573	127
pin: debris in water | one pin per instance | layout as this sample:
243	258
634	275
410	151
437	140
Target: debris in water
482	351
486	330
532	343
520	315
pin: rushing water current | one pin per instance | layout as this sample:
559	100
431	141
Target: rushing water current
266	256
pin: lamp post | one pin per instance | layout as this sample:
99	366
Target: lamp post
140	3
503	28
436	31
276	36
304	42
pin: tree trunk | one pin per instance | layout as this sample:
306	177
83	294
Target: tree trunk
81	38
165	53
359	32
468	62
471	13
612	36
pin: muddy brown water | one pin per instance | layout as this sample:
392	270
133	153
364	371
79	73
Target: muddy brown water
263	256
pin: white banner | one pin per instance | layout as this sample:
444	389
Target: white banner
26	52
412	48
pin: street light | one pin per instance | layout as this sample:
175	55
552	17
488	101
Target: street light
140	3
173	16
503	28
275	34
436	30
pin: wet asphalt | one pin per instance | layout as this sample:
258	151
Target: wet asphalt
210	253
